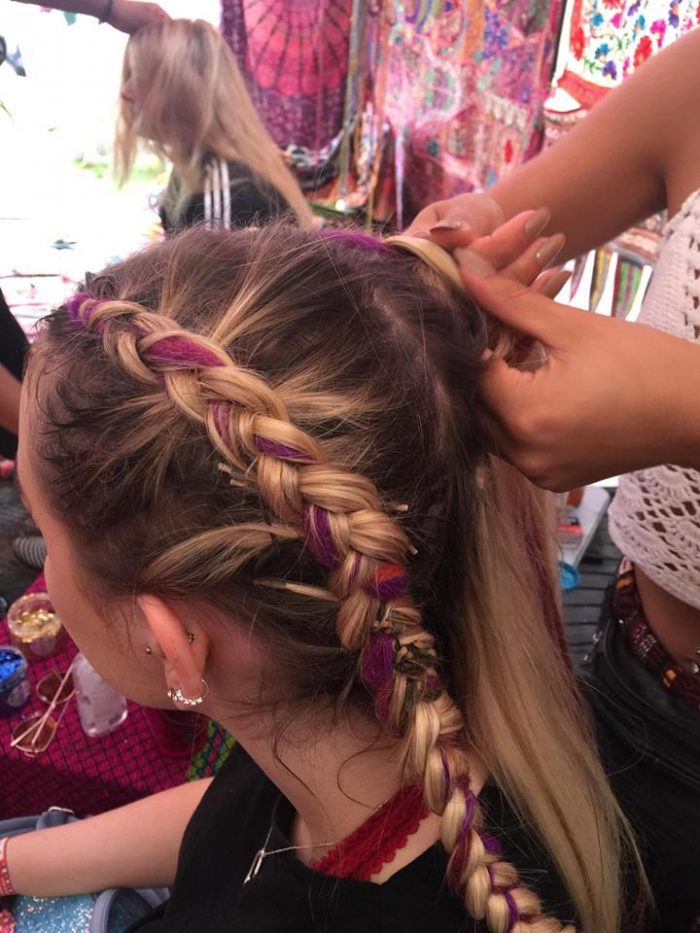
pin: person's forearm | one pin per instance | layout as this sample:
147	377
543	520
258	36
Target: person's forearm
134	846
618	164
96	8
10	389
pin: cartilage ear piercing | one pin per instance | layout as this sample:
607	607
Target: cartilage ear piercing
190	637
149	650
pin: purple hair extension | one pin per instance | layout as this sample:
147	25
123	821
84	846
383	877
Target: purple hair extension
182	352
377	670
434	684
282	451
513	912
318	537
74	304
356	238
491	844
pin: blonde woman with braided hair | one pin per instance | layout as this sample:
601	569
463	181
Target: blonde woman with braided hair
184	96
258	463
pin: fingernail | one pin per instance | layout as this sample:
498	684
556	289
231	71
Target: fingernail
550	249
535	225
446	224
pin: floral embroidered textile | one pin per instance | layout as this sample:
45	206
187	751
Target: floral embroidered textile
611	38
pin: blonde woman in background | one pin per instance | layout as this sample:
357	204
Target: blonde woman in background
183	94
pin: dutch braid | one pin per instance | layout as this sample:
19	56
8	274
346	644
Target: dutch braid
341	519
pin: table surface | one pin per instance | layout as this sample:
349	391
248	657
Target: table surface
88	775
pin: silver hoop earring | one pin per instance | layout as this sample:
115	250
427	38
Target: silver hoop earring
176	695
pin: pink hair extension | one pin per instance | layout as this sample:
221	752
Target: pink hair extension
318	537
181	352
358	239
221	412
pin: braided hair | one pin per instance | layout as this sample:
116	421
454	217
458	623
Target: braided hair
288	424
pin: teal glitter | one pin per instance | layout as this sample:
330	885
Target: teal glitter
54	914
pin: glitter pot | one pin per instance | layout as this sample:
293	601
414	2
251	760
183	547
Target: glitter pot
14	685
35	626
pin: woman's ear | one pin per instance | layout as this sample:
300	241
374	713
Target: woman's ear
184	647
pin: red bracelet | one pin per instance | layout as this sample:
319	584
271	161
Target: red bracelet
6	886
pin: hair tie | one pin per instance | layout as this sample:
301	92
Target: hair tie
435	256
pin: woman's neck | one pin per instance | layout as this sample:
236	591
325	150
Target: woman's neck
334	773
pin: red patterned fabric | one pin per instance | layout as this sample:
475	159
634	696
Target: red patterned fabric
294	56
86	775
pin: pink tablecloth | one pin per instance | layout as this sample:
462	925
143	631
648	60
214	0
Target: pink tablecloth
86	775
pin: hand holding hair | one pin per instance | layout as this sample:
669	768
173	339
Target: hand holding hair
612	397
472	228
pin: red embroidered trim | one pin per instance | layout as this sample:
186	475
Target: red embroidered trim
7	921
6	886
375	843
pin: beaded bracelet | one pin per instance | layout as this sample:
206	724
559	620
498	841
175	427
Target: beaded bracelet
107	12
6	886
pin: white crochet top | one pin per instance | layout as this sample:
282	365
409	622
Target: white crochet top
655	515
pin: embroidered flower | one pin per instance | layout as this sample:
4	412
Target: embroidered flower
597	20
616	21
495	35
643	51
658	29
578	41
626	67
673	11
610	70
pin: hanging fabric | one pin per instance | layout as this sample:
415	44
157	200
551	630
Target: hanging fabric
628	278
462	83
294	58
599	279
577	275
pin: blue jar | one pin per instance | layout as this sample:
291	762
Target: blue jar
14	684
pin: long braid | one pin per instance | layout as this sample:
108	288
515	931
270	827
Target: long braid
341	519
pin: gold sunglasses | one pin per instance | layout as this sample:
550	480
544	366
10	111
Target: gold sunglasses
34	735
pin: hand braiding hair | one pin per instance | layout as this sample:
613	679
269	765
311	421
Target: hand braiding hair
340	517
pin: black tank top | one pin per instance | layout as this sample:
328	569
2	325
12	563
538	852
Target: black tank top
232	822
